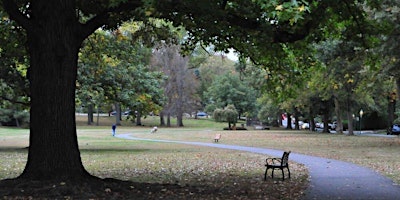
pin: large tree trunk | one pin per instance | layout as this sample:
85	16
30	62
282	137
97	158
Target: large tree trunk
54	45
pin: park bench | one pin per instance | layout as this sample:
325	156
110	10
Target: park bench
217	137
278	163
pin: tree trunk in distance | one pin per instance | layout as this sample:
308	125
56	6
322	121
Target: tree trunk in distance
162	121
168	120
90	114
391	110
179	120
350	122
138	119
339	122
117	114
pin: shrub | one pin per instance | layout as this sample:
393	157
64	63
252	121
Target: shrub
218	115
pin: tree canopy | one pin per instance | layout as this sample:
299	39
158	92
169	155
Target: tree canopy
54	31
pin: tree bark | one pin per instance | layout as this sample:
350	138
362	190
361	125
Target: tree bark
289	121
90	114
391	110
398	88
325	118
339	123
350	115
179	120
53	46
162	121
117	114
312	123
168	120
138	118
350	123
296	119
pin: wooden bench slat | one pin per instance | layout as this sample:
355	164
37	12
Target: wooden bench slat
217	137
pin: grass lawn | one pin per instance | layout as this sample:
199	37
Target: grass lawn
226	172
377	153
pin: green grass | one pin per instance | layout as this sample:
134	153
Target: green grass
232	173
145	161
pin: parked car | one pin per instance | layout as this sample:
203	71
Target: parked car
305	126
201	114
332	126
128	112
394	130
319	125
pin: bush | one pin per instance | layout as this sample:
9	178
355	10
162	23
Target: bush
218	115
9	117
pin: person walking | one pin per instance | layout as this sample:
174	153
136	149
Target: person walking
113	129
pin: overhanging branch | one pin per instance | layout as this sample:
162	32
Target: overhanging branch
12	9
103	18
4	98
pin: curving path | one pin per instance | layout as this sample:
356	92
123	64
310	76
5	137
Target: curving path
329	179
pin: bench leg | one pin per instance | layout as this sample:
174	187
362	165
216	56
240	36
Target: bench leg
265	175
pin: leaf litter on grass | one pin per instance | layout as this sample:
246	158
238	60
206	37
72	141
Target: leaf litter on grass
228	174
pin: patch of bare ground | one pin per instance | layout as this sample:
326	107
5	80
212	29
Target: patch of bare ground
118	189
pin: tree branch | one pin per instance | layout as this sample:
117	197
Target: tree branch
103	18
12	9
4	98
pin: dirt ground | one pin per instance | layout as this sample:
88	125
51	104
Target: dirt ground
117	189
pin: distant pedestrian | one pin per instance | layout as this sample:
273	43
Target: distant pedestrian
113	129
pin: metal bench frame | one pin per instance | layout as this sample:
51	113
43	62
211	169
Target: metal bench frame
278	163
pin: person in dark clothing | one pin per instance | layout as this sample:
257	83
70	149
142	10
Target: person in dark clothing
113	129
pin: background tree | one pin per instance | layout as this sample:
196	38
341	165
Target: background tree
53	44
180	85
113	70
230	90
228	114
388	16
231	116
214	67
14	64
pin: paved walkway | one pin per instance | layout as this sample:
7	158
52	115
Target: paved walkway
329	179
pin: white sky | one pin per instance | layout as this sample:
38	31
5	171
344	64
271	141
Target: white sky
231	55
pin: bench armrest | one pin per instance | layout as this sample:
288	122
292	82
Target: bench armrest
273	161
